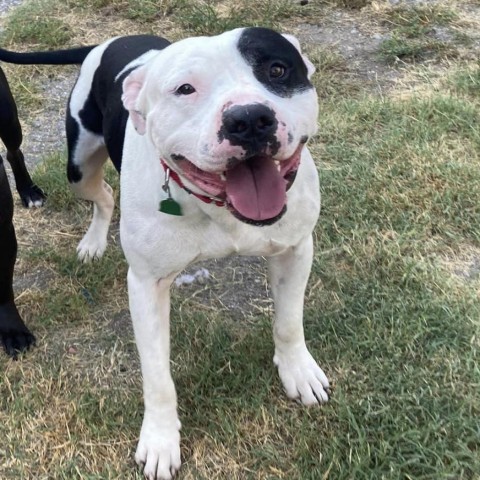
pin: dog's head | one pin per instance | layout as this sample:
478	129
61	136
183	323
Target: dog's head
231	114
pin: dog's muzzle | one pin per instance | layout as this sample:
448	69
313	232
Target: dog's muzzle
254	190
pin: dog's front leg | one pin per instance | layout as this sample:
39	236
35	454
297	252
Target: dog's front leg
302	378
158	448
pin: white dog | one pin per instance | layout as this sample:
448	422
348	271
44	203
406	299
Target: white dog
210	136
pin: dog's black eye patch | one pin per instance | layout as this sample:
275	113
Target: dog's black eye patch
185	89
275	62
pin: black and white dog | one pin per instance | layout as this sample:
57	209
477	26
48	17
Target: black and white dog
14	335
210	136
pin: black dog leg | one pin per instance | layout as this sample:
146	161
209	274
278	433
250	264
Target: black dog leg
11	134
14	335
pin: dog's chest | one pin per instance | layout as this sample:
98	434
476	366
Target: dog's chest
250	244
223	239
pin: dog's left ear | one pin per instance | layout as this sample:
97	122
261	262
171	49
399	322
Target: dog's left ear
132	85
294	41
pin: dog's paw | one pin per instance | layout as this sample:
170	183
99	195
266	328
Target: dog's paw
32	196
91	248
15	337
15	342
158	452
302	378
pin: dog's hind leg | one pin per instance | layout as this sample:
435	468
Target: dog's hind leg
86	156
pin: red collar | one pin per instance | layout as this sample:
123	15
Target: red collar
204	198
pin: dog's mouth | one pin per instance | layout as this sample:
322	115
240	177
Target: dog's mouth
254	190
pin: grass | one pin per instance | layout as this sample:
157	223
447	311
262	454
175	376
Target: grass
392	309
207	18
30	24
414	34
144	11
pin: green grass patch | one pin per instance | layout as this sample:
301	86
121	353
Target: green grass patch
331	78
389	153
33	23
144	11
211	18
52	175
400	193
198	17
417	21
414	36
353	4
148	10
467	81
407	49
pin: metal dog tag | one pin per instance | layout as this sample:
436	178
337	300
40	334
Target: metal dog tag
170	206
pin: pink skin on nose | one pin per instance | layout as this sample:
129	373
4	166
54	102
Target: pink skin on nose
224	149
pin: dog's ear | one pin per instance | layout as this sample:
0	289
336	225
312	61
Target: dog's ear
132	85
294	41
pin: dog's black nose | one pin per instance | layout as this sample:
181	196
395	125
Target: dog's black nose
249	125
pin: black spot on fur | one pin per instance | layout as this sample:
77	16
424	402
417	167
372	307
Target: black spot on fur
176	157
263	48
91	116
74	174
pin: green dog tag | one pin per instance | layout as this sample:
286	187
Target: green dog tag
170	206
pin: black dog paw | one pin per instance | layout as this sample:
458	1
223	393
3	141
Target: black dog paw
15	337
15	341
32	196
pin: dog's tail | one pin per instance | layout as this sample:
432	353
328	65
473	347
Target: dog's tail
54	57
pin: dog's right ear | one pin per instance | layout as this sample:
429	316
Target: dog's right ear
132	85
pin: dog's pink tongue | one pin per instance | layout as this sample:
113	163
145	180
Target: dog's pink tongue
256	189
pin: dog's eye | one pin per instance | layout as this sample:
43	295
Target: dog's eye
277	70
185	89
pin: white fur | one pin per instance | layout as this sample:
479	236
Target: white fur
158	246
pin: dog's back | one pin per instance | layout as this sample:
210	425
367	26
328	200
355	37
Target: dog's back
95	103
